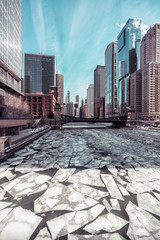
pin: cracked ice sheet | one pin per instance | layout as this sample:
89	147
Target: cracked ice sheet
147	202
112	186
26	184
8	174
123	190
112	169
107	205
138	187
115	204
4	213
144	175
88	177
142	225
43	235
62	174
89	191
60	197
108	222
2	193
70	222
4	205
109	236
19	224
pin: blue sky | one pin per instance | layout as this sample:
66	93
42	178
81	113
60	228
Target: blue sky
77	32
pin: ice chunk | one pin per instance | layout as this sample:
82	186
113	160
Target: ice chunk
70	222
19	224
108	222
112	186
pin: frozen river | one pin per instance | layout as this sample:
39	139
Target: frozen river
83	184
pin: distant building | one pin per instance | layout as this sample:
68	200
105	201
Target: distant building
68	97
128	60
76	107
42	70
99	89
60	87
70	109
83	110
40	105
90	101
136	94
77	99
111	107
12	104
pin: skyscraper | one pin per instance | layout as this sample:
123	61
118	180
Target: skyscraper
99	91
150	46
77	99
60	86
10	36
128	60
42	70
11	98
90	101
111	80
150	66
68	97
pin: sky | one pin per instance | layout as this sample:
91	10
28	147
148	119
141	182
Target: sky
77	32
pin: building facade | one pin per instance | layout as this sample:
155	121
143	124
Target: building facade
67	100
150	66
70	109
111	107
60	88
90	101
40	105
12	104
99	89
136	94
42	70
150	46
151	91
128	60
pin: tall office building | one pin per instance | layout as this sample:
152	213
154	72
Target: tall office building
11	99
150	66
90	101
77	99
136	94
128	60
70	109
150	46
42	70
68	97
60	87
99	91
10	37
111	80
76	106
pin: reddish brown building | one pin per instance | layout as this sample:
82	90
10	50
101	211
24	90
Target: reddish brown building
41	105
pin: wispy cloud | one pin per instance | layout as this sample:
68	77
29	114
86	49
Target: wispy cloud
121	25
38	22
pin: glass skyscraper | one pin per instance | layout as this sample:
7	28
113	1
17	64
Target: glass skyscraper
110	79
10	35
41	68
12	104
128	60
